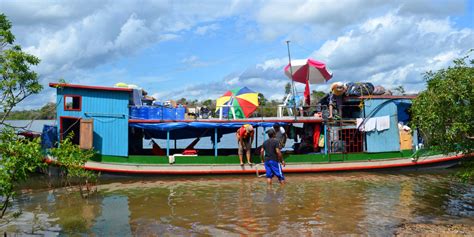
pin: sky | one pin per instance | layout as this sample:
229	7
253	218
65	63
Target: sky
201	49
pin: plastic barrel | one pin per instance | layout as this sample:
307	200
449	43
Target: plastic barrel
169	113
155	113
152	112
134	112
180	111
159	112
143	112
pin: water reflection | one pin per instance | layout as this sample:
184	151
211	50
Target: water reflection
354	203
114	217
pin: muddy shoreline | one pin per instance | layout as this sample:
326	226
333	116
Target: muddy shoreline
425	229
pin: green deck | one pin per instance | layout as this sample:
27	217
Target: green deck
234	159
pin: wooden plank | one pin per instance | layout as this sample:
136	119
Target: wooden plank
87	134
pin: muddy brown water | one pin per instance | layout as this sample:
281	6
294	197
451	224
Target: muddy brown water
309	204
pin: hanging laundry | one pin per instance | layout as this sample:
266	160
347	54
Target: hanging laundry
383	123
370	124
316	135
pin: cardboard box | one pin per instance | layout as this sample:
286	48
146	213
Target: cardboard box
406	140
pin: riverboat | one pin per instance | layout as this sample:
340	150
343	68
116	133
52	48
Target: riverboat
367	137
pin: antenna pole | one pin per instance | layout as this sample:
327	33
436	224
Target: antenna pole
291	74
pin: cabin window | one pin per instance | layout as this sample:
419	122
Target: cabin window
72	102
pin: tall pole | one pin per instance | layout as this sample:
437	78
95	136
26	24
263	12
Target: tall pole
291	75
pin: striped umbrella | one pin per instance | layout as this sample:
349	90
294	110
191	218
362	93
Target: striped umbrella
243	101
308	71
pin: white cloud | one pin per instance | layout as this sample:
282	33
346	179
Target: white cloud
390	42
233	81
276	63
87	34
394	49
133	33
207	29
194	61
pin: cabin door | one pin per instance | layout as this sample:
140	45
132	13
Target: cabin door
87	134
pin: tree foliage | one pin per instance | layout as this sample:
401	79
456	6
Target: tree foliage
288	88
71	160
17	80
399	90
47	112
19	157
444	112
316	96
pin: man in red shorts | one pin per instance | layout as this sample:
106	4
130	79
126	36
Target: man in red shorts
244	141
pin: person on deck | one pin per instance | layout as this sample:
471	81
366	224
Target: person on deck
273	159
280	135
245	136
335	99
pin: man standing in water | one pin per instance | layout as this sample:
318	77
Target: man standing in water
244	141
270	152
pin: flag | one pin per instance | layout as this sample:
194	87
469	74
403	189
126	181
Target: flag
307	94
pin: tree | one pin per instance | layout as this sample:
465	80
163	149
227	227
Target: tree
288	88
207	103
18	81
316	96
71	159
444	112
48	111
182	101
262	101
399	90
18	157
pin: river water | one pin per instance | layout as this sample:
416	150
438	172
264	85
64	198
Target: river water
309	204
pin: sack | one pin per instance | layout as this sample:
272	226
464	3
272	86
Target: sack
379	90
359	88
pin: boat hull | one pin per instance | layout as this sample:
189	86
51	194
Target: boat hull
436	161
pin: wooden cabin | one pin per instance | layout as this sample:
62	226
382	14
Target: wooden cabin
98	116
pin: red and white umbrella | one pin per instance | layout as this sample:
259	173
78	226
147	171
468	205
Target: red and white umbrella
308	70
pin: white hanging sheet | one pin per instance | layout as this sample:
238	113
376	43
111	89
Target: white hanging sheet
370	124
383	123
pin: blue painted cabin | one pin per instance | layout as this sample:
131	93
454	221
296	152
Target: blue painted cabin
107	109
389	139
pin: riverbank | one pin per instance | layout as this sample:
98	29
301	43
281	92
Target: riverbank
418	229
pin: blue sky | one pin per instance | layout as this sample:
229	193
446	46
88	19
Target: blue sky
200	49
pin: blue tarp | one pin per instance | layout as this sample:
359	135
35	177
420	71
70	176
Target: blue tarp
402	110
49	136
183	130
